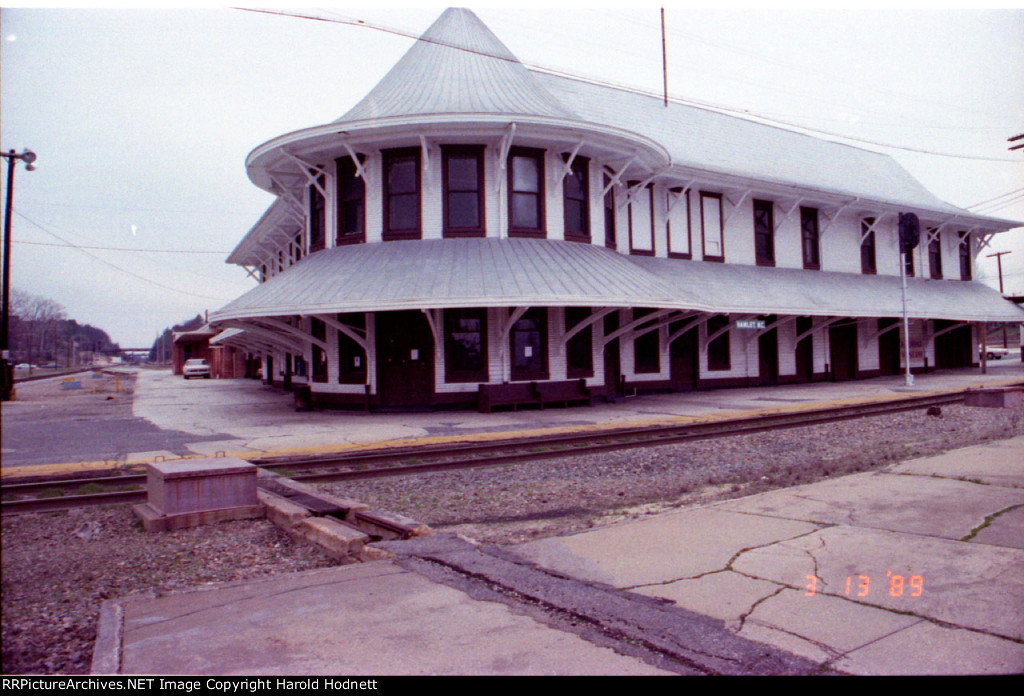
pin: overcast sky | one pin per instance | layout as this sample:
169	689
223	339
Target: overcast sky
142	119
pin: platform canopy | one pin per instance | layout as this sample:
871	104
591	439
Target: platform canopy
529	272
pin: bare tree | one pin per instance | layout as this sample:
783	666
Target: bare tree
37	320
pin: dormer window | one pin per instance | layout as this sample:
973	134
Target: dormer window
526	193
463	177
402	194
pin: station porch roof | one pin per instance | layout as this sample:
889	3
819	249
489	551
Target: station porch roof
449	273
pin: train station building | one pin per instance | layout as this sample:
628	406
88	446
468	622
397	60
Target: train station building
474	233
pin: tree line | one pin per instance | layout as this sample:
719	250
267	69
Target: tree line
40	333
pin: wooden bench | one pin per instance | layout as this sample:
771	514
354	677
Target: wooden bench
514	394
565	393
517	394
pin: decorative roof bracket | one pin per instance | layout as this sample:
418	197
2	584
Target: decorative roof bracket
640	186
616	177
789	212
873	226
506	145
679	194
312	179
567	165
732	324
834	216
735	206
357	335
360	167
816	328
589	321
425	149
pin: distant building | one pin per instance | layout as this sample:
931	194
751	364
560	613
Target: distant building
477	233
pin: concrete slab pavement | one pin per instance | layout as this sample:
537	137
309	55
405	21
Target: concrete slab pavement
895	572
370	619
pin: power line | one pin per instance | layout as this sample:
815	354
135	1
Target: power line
633	90
995	198
116	267
109	248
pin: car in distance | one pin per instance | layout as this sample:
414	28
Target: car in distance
994	352
196	367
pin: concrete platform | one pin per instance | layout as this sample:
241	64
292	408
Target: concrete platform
371	619
263	421
917	569
244	418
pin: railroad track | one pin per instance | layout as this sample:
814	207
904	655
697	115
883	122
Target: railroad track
47	494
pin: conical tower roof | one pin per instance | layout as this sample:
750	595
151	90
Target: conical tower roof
457	67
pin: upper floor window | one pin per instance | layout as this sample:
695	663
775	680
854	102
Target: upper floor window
867	246
351	200
677	223
576	201
935	255
641	220
764	233
526	193
965	256
711	226
810	238
317	221
402	194
296	247
609	214
465	345
463	198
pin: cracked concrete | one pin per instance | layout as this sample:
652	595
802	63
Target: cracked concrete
901	572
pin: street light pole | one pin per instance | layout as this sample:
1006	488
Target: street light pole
6	371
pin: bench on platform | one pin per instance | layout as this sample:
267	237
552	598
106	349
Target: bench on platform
515	394
540	394
564	393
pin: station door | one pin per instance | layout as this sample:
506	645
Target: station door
405	359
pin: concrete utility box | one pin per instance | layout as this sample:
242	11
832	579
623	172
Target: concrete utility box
189	492
996	397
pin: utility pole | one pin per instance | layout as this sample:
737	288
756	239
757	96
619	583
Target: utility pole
6	371
999	263
664	57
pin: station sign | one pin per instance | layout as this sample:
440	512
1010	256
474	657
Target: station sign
750	323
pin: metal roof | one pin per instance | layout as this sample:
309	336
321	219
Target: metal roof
527	272
457	66
703	140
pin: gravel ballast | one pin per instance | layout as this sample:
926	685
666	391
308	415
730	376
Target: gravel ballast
520	502
59	567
